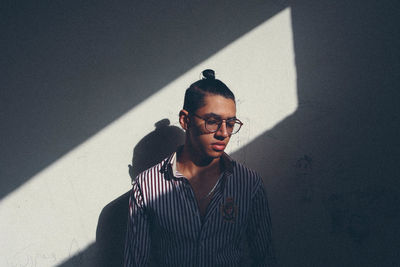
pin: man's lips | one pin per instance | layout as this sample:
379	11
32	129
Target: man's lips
218	146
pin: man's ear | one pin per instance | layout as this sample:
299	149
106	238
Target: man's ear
184	119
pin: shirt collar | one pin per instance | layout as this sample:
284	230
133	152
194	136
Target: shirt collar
169	166
174	169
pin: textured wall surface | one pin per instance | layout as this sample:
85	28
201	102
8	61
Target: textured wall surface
88	89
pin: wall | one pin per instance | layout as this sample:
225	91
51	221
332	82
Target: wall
89	89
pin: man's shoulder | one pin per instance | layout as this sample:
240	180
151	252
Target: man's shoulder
243	173
154	172
245	179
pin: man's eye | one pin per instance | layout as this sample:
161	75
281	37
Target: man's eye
212	122
230	124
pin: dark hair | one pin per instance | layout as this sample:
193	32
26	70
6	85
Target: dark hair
194	95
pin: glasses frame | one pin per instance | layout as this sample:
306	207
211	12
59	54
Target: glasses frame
220	124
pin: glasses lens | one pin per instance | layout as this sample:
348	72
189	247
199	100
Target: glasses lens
232	126
213	124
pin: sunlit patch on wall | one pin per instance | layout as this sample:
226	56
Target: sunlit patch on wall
54	215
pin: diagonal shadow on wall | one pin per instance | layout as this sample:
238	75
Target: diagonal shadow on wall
69	69
330	167
345	126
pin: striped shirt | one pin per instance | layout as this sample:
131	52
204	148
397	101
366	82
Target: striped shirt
165	227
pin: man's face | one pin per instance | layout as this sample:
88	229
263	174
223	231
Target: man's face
211	145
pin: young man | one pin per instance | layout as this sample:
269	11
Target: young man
198	207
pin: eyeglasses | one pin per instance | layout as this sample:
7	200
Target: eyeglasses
213	124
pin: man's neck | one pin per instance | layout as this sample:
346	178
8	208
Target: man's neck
192	166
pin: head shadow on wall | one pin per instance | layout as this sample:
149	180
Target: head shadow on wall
111	228
108	250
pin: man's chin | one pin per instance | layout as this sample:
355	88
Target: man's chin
212	153
216	153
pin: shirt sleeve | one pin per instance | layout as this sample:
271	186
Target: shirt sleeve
137	243
259	236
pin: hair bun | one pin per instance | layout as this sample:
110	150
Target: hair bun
208	74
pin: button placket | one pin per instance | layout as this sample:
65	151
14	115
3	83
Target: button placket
192	199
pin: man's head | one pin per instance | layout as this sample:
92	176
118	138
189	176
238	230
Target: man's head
194	95
209	116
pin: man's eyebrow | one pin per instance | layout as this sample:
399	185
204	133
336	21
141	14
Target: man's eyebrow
213	115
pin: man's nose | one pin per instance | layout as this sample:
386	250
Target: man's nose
222	131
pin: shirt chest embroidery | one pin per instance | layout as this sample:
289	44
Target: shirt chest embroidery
228	210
